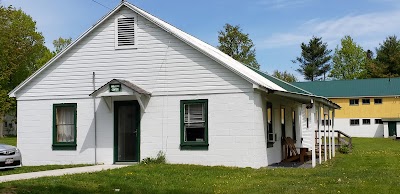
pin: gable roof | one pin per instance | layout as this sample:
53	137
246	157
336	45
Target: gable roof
209	51
199	45
376	87
261	80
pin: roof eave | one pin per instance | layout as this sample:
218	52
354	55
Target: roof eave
256	80
13	92
198	48
311	96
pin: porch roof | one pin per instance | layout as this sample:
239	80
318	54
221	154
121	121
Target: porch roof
126	83
296	93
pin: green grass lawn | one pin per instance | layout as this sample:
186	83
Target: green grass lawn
372	167
9	140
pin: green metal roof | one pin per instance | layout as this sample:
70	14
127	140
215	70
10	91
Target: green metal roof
353	88
288	87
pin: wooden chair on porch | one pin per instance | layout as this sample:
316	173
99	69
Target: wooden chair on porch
290	152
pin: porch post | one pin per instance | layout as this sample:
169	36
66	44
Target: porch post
333	133
312	126
325	154
319	135
329	133
299	124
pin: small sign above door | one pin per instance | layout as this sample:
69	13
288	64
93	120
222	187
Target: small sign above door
115	87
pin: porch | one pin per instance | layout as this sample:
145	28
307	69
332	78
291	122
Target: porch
306	128
301	159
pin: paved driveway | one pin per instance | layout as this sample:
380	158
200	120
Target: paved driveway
58	172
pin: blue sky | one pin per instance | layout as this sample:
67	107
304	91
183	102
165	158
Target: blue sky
277	27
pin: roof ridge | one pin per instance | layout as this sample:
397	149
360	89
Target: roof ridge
352	88
209	50
66	49
343	80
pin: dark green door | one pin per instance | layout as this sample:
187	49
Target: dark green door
126	131
392	128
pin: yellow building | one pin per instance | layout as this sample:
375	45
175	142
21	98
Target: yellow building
370	107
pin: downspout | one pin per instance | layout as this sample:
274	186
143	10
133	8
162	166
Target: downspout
95	119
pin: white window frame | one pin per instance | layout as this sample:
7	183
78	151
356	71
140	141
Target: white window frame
366	120
369	101
355	100
355	120
378	123
378	99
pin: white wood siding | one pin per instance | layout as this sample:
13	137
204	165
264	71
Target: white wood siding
307	132
231	131
162	65
234	138
35	133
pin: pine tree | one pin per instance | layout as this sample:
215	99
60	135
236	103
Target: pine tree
314	59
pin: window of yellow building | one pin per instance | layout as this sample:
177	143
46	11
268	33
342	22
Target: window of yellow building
354	102
365	101
378	101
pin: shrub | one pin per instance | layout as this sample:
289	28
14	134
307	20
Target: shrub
344	149
160	159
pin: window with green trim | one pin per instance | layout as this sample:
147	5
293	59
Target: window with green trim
194	124
64	126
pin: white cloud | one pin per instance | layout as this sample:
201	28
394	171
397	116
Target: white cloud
363	27
278	4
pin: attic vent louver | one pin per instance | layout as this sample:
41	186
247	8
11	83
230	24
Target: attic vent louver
126	31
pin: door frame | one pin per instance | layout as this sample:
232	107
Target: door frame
115	149
393	123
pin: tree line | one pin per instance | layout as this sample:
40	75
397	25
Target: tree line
316	62
349	60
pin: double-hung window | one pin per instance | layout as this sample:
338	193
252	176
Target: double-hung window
194	124
64	126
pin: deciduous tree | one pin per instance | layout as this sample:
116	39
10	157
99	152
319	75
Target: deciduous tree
22	52
61	43
285	76
238	45
349	61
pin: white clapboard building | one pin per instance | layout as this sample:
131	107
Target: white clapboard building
134	85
